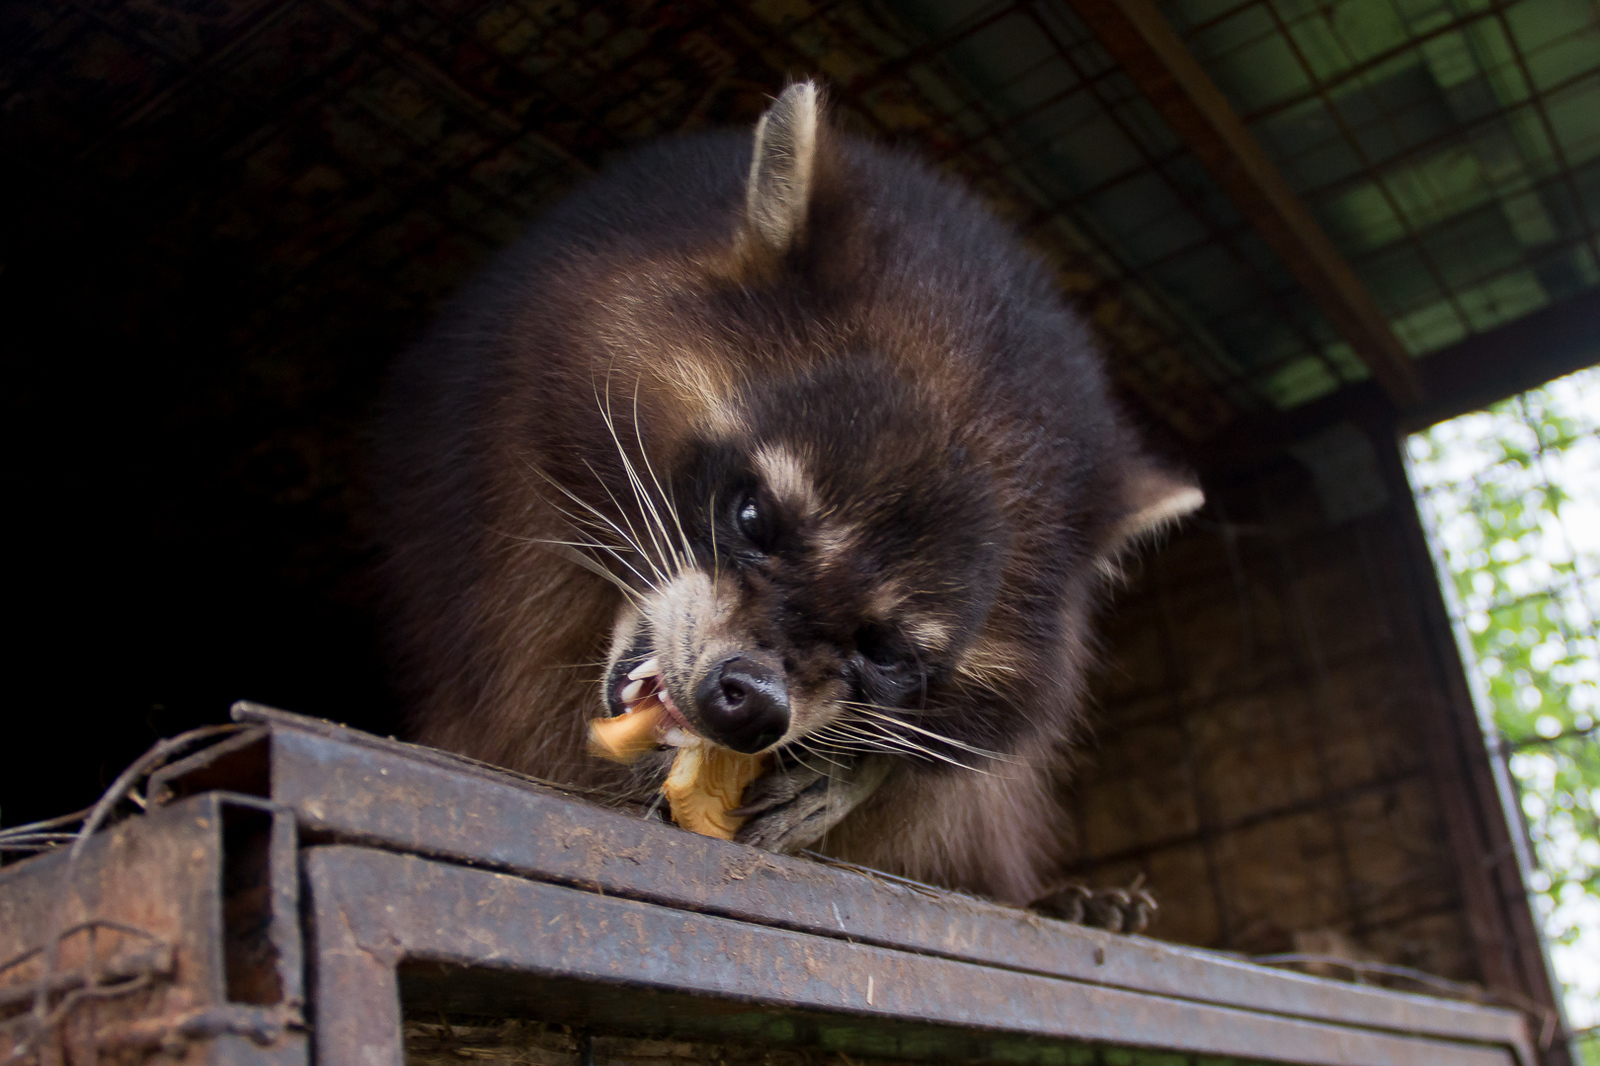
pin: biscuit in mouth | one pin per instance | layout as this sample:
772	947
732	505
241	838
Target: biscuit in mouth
706	781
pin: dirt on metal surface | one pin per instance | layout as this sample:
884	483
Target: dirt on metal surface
141	891
347	786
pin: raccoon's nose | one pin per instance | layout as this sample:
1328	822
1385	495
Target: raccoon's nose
743	704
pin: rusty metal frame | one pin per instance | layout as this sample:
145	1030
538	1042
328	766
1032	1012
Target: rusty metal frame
477	919
178	937
1479	810
432	883
742	925
1549	343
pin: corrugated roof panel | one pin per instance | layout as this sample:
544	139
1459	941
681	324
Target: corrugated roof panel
1450	148
1435	141
1124	180
1430	326
1300	381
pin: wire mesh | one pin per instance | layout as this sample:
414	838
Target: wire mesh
1452	150
1254	751
1448	148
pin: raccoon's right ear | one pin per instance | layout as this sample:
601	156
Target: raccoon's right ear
1153	497
783	171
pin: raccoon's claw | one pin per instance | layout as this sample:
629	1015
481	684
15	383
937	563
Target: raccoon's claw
785	810
1120	910
788	810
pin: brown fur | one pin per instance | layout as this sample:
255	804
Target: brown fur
888	374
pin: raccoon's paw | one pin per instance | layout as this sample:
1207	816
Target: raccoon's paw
1120	910
790	809
786	810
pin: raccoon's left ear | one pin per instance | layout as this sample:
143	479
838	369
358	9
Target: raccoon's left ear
783	171
1152	498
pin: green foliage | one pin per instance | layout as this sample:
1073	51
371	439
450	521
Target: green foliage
1512	500
1587	1049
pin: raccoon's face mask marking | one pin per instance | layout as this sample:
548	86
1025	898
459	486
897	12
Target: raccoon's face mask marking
827	572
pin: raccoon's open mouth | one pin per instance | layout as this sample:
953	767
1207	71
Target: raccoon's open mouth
740	701
645	684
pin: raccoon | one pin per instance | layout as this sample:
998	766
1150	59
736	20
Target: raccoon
790	431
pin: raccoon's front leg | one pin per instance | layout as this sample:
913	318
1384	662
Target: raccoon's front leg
790	809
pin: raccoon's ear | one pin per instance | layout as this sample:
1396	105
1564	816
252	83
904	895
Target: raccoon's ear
782	169
1152	498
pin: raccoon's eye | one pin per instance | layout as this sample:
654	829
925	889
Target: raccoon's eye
883	669
873	643
752	521
891	661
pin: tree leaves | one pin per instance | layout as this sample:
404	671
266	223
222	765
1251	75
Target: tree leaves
1511	499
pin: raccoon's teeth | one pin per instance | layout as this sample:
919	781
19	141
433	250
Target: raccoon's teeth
675	716
631	691
645	669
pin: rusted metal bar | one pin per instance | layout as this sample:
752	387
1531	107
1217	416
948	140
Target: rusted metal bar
540	905
347	786
1139	37
435	912
178	938
355	990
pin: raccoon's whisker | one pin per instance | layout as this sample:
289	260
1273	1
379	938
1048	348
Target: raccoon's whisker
859	741
613	550
634	483
829	734
879	713
630	541
640	492
820	751
608	549
892	743
916	659
711	524
630	536
666	499
887	714
795	755
633	534
891	720
592	565
815	742
592	545
659	567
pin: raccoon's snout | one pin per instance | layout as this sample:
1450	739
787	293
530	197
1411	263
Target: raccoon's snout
743	704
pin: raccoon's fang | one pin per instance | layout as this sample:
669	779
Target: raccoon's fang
646	688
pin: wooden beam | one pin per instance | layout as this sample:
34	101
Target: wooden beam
1549	343
1552	342
1139	38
